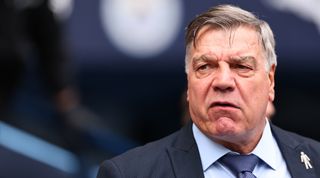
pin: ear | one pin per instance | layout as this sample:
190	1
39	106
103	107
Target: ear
187	91
188	95
271	77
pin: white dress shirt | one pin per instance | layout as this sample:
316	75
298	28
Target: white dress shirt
272	164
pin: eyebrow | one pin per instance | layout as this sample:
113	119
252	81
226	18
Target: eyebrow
204	58
242	59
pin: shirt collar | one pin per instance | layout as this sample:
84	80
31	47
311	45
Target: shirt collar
267	149
210	151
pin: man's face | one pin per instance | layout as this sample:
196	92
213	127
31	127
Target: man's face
228	85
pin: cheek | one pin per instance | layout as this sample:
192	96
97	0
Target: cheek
257	98
255	95
194	96
197	92
197	95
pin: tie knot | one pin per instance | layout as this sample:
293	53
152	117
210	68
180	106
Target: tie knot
240	163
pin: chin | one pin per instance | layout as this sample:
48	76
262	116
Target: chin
224	132
218	130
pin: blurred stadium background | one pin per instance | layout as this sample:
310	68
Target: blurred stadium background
128	63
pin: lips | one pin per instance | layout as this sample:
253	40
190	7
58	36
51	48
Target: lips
224	104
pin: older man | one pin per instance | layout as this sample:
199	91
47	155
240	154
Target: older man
230	66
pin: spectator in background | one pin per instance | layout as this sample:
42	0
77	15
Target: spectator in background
29	26
230	66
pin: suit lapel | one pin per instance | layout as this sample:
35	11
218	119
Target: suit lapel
291	150
185	156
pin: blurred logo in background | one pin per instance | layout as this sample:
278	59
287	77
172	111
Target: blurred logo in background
61	8
307	10
141	28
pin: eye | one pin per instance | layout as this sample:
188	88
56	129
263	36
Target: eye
203	70
203	67
243	69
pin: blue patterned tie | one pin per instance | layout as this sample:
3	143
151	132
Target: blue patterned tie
240	165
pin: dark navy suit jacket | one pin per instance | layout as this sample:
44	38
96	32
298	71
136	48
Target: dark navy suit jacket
177	156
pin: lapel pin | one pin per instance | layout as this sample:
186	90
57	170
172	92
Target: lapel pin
306	160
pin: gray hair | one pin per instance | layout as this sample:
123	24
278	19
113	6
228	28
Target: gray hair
229	17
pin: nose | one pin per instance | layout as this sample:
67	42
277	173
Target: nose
223	80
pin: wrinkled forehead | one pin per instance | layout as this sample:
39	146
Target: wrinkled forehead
229	32
241	41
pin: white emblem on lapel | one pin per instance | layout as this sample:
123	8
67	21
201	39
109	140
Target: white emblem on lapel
306	160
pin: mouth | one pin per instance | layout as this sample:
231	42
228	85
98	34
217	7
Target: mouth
224	104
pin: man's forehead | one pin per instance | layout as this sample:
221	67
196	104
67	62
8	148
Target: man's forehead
208	34
216	44
235	58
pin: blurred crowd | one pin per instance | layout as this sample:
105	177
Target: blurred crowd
30	34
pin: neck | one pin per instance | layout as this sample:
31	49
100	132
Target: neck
244	144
